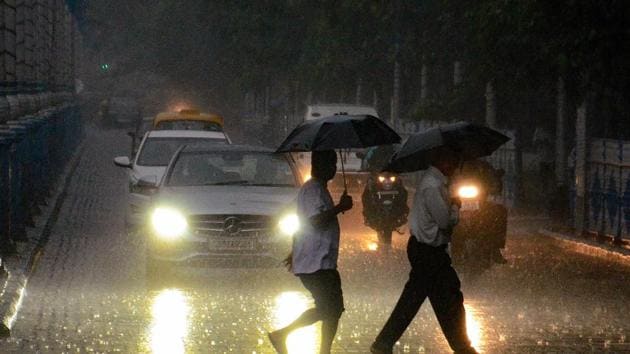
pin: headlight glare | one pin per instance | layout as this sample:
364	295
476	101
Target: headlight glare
289	224
468	192
168	223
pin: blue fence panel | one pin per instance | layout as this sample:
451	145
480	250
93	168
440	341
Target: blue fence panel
17	212
6	140
608	192
33	150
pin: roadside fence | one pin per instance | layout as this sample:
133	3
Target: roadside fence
608	189
33	152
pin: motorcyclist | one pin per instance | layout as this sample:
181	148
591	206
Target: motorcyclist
384	197
491	217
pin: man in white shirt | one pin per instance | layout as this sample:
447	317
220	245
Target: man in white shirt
433	215
315	253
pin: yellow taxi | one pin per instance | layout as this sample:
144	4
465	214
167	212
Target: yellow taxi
188	119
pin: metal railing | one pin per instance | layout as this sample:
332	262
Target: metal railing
33	152
608	189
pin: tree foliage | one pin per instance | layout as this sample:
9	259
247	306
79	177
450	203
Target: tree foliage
226	48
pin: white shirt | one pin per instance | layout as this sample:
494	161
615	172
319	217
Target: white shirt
432	216
315	248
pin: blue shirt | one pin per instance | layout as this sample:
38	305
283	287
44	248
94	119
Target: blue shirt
315	248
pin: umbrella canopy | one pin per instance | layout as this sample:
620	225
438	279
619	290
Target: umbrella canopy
339	132
468	140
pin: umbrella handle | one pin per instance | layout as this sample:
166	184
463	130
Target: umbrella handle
343	173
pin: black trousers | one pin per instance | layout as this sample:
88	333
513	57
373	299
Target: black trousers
325	288
431	276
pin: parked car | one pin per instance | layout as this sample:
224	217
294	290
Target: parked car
222	203
153	155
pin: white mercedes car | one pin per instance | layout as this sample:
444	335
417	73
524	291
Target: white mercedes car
223	203
153	155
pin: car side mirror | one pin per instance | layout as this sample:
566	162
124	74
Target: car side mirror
122	161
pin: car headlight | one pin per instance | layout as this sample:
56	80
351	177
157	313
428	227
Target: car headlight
289	224
468	192
168	223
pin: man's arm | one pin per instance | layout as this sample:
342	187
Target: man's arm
442	212
326	216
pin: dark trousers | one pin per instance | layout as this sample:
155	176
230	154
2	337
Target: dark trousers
325	288
431	276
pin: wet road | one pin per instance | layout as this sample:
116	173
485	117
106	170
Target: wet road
88	293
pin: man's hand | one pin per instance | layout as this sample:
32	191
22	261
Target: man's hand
456	201
288	262
321	219
345	203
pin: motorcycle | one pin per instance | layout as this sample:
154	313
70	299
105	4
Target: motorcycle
480	235
385	205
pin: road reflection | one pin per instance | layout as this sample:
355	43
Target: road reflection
287	307
170	322
474	327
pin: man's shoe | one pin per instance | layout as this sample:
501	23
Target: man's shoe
279	342
376	349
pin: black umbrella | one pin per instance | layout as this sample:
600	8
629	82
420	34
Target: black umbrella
339	132
468	140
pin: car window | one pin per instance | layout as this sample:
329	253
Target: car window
158	151
232	168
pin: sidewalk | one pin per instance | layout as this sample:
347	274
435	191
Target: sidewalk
590	246
20	266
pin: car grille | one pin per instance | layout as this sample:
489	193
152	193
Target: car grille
230	225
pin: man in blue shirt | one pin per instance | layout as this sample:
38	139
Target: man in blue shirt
315	253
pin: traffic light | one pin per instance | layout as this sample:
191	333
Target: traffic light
104	67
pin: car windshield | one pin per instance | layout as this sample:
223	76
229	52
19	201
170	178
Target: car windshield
190	125
232	168
158	151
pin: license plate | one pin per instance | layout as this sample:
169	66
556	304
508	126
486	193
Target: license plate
470	205
231	244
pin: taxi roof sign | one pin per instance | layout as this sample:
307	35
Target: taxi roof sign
190	111
187	115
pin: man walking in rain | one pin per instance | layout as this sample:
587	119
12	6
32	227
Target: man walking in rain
315	252
433	216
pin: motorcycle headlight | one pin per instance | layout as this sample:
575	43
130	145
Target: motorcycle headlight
289	224
168	223
468	192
